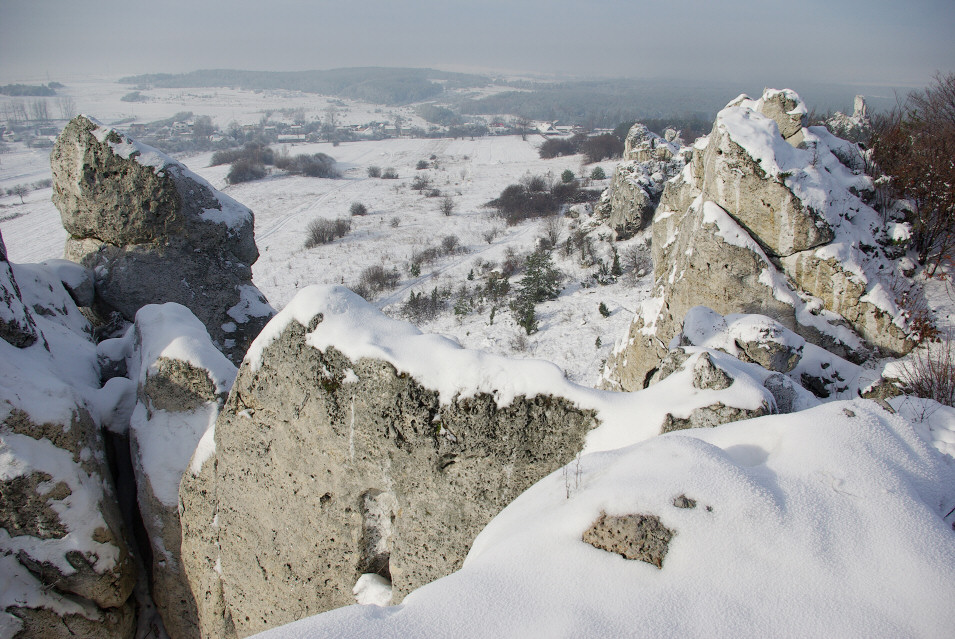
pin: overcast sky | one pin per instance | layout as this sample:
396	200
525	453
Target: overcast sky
896	42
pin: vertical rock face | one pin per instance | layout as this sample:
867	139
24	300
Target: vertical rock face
155	232
66	566
766	219
386	475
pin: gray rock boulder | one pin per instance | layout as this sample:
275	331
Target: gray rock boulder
392	456
760	201
155	232
628	203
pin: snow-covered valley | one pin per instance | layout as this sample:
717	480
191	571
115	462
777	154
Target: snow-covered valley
479	476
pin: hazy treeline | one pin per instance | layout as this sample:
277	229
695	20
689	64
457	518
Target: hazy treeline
20	90
369	84
602	103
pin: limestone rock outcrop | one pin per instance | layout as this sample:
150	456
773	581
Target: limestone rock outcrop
766	219
648	161
155	232
392	463
66	565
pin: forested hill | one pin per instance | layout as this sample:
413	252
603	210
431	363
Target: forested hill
380	85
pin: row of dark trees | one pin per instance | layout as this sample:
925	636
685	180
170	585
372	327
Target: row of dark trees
595	148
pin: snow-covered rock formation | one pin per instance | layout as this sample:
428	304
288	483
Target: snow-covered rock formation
754	224
155	232
393	449
176	383
648	162
65	564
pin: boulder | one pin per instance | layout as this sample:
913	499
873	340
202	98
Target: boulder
391	448
734	178
787	110
634	537
629	202
155	232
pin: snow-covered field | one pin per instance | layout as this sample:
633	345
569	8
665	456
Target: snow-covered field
400	220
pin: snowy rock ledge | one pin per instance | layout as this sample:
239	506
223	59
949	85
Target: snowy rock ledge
393	449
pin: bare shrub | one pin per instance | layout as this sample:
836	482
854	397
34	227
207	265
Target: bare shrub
422	164
637	262
450	244
512	262
447	205
357	208
535	183
914	145
322	231
552	227
377	278
490	235
556	147
389	174
395	221
420	183
602	147
374	171
930	373
245	170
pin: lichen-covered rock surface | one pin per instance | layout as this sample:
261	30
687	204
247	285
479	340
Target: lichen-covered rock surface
769	218
155	232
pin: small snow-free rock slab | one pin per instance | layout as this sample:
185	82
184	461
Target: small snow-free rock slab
635	537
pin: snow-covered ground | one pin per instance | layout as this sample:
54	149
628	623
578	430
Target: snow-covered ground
400	220
825	522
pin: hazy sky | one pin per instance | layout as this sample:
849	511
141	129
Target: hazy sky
895	42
